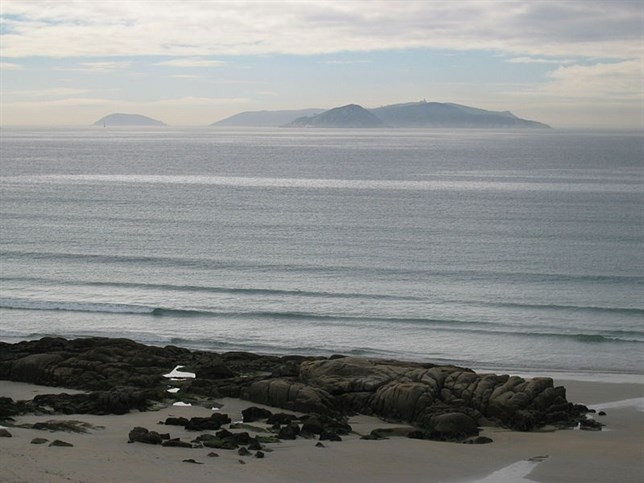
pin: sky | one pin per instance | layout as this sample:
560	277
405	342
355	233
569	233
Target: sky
568	63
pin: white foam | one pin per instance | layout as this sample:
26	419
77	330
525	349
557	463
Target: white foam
173	390
516	472
176	373
438	184
636	402
182	404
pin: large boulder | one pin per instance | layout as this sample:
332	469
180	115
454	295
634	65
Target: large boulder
291	395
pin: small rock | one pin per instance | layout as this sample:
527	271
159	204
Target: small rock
39	441
329	436
590	425
254	445
254	413
214	422
416	434
142	435
243	452
212	454
281	418
320	445
478	440
241	462
289	432
538	458
176	421
601	413
190	460
454	425
259	454
176	443
4	433
58	442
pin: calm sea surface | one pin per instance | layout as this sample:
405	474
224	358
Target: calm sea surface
495	249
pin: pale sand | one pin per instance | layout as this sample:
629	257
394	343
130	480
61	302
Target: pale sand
103	455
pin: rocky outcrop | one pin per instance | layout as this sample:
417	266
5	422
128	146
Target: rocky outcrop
442	402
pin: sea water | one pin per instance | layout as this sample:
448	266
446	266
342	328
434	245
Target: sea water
494	249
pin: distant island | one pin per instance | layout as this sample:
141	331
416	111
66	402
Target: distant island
266	118
119	119
408	115
345	116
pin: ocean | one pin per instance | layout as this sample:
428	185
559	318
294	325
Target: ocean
501	250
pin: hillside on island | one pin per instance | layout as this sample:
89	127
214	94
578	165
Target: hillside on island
120	119
350	116
265	118
438	114
407	115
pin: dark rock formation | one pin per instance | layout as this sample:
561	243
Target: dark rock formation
180	421
329	436
4	433
39	441
254	413
442	402
58	442
213	422
176	443
143	435
290	431
243	452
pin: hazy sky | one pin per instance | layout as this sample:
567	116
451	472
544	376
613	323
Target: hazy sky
566	63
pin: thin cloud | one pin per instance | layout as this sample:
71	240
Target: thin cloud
51	92
10	66
116	104
537	60
191	62
345	62
193	28
186	76
98	67
599	83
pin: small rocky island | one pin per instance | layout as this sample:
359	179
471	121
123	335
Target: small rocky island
437	402
120	119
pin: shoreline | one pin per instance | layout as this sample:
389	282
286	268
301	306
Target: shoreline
228	383
103	455
567	374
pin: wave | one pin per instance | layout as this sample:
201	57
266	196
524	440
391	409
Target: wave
439	184
25	304
609	336
209	264
440	325
557	307
226	290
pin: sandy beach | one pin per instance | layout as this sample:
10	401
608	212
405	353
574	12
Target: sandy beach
103	454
